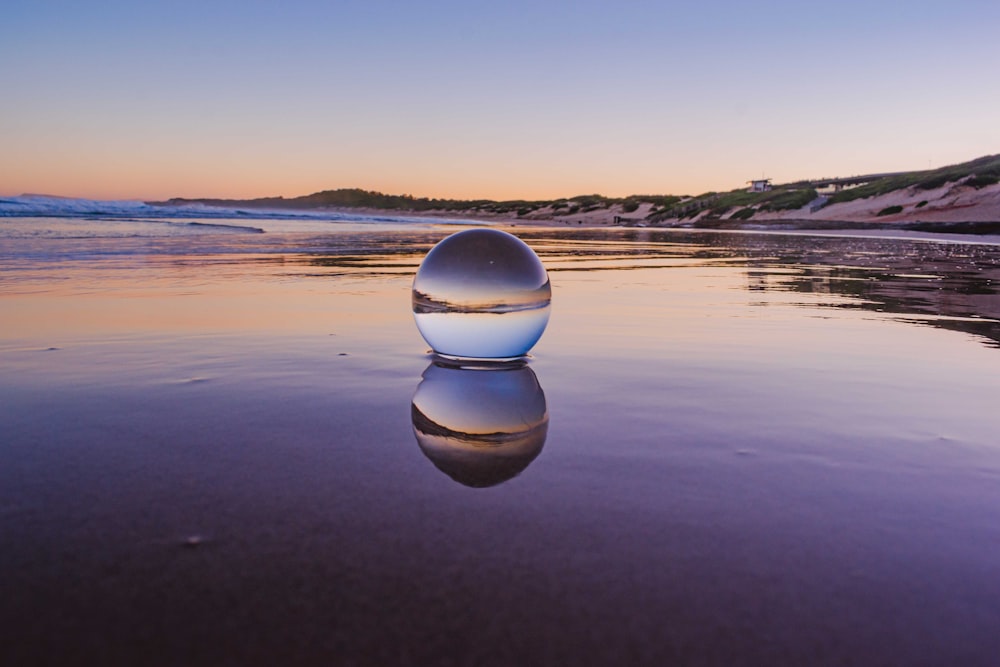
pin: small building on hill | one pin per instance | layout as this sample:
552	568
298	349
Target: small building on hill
762	185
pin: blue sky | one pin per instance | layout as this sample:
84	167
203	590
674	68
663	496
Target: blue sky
544	99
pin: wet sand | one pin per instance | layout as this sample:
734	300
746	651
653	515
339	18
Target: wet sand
734	449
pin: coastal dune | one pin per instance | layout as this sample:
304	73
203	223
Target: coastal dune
953	202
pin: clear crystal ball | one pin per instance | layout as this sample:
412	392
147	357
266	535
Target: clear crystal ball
481	294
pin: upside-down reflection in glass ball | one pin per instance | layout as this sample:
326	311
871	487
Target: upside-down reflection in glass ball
481	294
480	426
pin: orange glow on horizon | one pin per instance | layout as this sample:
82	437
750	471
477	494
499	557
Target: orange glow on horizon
225	168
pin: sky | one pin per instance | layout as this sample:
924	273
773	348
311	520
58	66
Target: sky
498	100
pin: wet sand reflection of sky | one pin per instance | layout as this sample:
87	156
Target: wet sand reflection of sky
240	447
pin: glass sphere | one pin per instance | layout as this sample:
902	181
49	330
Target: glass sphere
481	294
481	426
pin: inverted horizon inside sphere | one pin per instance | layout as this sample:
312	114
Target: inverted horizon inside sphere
481	293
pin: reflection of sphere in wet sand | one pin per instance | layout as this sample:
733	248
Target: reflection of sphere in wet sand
480	427
481	294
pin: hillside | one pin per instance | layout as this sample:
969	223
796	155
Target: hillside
966	192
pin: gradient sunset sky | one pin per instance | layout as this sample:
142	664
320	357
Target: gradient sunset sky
137	100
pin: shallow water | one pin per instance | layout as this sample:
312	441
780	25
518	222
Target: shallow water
725	449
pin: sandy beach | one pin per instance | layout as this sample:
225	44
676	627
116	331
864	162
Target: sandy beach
235	449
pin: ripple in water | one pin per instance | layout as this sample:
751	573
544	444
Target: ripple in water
481	294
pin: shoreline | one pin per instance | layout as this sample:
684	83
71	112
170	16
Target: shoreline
595	220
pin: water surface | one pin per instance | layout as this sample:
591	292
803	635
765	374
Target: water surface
725	449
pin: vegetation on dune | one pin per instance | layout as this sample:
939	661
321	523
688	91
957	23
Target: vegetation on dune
630	206
780	198
658	201
981	181
890	210
788	199
875	188
980	173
